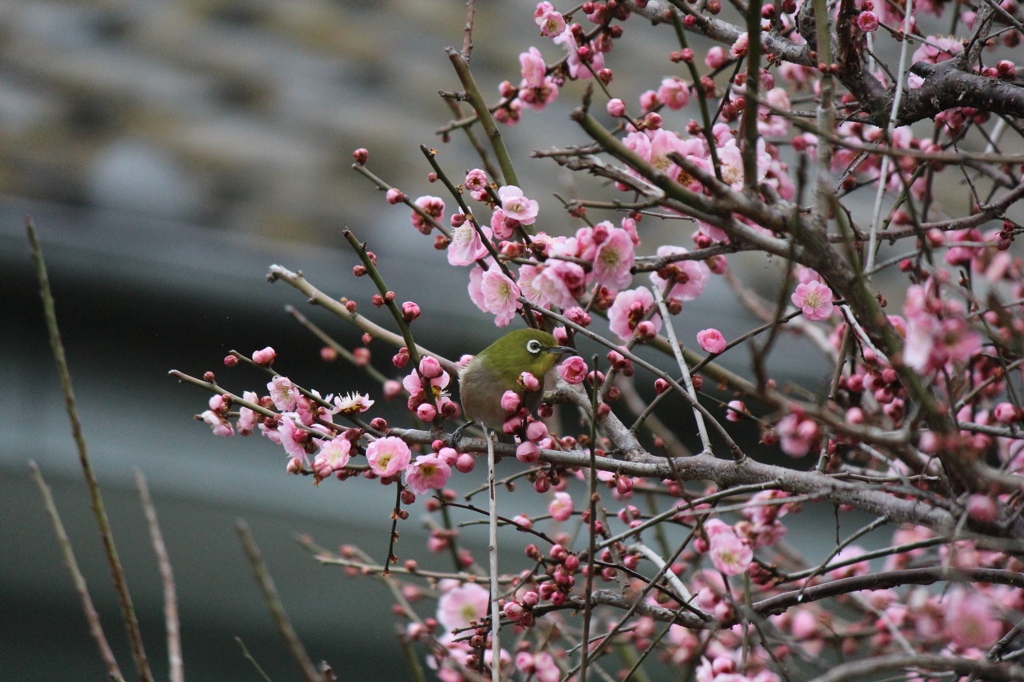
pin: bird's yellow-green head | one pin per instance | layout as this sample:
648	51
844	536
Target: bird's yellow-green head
497	368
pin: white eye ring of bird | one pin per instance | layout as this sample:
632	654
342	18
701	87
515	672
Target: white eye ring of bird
533	345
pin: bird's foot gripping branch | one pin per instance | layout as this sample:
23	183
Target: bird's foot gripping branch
869	169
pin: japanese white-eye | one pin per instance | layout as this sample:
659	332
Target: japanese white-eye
496	369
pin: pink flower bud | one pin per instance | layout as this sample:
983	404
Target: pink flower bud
264	357
716	58
578	315
527	453
867	21
573	369
646	331
511	401
616	107
465	463
514	611
430	368
1005	413
649	100
426	412
535	431
392	389
529	382
711	340
410	311
982	508
511	425
737	408
395	196
361	156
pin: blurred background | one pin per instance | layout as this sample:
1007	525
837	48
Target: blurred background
168	152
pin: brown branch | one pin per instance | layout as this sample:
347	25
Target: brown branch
277	612
175	660
131	621
91	616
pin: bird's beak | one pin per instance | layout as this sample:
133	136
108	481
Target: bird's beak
561	350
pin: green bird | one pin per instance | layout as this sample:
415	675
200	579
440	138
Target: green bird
497	368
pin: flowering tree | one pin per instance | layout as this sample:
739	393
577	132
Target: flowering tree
762	141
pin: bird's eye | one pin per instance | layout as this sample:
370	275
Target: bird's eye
533	345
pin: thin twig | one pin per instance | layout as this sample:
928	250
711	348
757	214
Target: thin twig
492	560
683	368
277	612
93	618
131	621
248	657
175	660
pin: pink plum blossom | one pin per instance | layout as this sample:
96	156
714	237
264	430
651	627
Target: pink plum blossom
936	49
502	226
264	357
516	206
814	299
577	69
613	260
293	438
675	93
691	276
218	423
284	393
476	180
867	21
797	435
466	246
729	553
334	455
559	282
538	98
432	206
629	309
551	23
351	403
970	621
426	473
528	275
533	67
649	101
500	296
711	340
716	58
247	417
739	48
731	159
460	606
388	456
561	507
476	282
573	369
412	382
